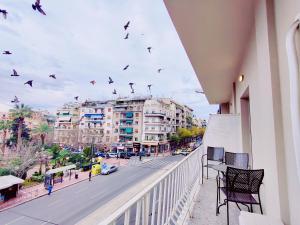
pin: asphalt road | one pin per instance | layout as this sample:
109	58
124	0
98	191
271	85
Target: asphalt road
73	203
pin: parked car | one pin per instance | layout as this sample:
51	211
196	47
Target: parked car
176	152
113	154
131	154
144	153
124	155
108	169
184	152
100	154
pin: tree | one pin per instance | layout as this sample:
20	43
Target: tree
5	126
42	130
23	160
19	113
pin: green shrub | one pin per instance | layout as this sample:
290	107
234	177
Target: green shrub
29	183
4	171
38	178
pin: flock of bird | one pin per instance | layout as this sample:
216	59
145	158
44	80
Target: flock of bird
38	7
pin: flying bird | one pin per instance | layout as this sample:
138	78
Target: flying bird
126	67
149	49
6	53
110	81
131	84
126	25
37	6
159	70
149	86
132	91
29	83
76	98
15	73
127	36
93	82
4	13
52	76
114	92
16	100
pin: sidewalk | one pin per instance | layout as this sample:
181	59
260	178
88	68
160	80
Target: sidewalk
30	193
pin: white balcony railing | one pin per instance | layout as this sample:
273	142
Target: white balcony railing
167	201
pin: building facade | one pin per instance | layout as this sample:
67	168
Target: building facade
254	46
123	124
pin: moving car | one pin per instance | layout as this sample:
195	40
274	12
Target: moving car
112	154
108	169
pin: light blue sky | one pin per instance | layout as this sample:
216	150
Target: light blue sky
82	40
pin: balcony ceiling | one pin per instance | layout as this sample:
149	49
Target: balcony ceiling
214	34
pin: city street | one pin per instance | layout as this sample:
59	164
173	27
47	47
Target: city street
73	203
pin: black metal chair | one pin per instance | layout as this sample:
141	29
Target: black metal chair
239	160
215	154
241	186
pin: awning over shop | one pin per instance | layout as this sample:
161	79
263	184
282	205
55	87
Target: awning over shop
8	181
61	169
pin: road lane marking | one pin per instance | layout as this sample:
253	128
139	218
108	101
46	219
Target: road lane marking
81	190
15	220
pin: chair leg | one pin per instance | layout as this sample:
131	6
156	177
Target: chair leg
217	200
202	173
227	204
207	172
251	208
260	206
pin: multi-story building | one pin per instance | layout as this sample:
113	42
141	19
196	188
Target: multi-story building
66	125
92	119
155	126
127	122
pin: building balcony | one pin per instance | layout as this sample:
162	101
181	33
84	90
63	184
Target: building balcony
154	114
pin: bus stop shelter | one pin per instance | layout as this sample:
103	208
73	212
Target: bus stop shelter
50	173
9	187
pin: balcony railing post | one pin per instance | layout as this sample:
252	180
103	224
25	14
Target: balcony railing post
154	200
159	203
138	213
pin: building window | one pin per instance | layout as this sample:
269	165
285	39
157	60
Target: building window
108	117
136	130
107	138
108	124
117	114
109	109
107	132
137	114
136	139
152	128
136	122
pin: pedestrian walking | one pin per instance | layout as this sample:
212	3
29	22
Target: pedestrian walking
140	156
90	175
50	189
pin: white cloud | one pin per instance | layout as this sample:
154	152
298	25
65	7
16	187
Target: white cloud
82	40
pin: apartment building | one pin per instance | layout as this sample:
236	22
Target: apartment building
95	123
157	128
66	125
122	124
127	122
246	57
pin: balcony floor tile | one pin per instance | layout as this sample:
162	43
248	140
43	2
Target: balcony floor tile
204	211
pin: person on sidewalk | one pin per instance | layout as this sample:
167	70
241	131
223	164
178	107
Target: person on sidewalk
90	175
50	189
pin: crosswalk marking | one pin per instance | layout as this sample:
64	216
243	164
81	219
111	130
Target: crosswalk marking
156	163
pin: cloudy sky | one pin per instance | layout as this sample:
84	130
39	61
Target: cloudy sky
83	40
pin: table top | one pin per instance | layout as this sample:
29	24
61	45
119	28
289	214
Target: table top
223	167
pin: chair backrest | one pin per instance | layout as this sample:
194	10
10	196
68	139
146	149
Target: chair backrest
240	160
215	153
244	181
